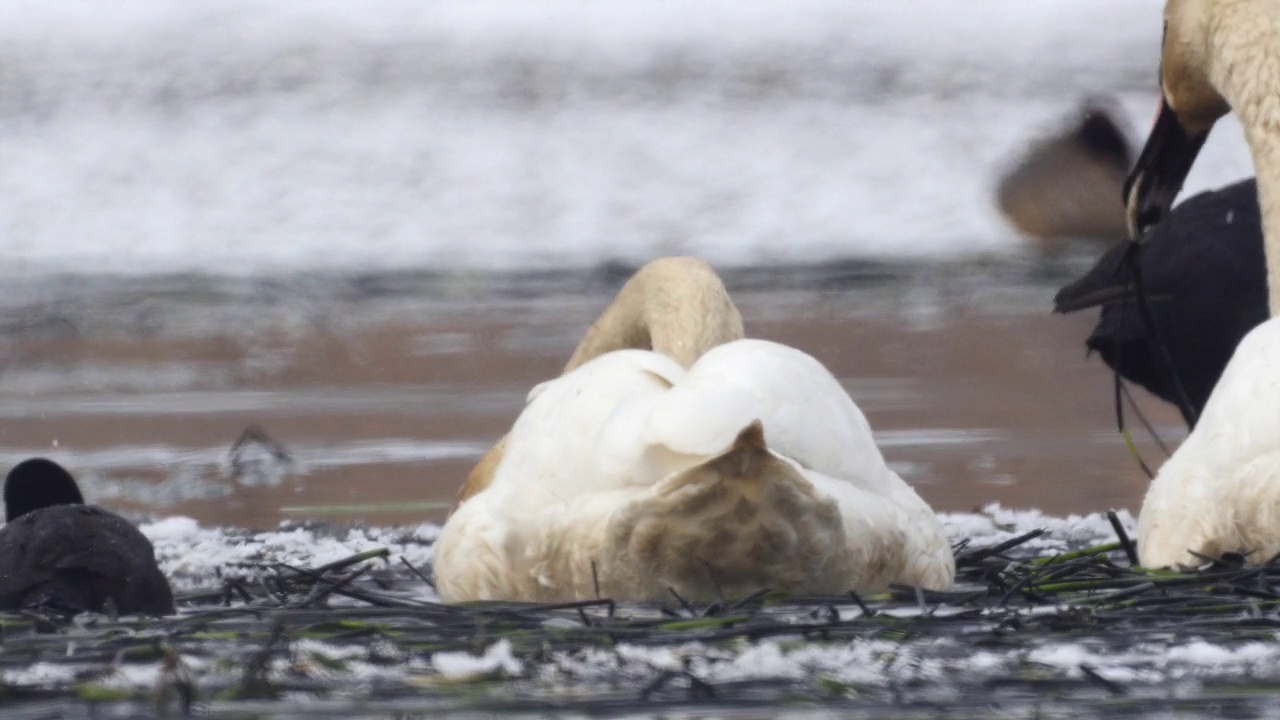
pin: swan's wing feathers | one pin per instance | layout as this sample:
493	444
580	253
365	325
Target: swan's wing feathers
1242	416
565	442
807	415
537	390
699	418
668	432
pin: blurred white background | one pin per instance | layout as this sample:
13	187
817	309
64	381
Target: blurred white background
152	136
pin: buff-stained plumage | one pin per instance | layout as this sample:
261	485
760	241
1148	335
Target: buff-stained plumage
634	474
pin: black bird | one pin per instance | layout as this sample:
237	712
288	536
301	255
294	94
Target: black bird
1204	274
59	553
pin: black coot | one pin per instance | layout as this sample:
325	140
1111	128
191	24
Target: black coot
57	552
1204	273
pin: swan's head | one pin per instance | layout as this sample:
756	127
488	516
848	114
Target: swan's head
1189	107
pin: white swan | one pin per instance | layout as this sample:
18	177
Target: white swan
631	475
1220	491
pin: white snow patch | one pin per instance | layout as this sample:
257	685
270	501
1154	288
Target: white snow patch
171	529
1067	657
659	658
1205	654
996	524
497	658
191	555
41	674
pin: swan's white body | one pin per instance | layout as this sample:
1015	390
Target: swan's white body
1220	491
629	476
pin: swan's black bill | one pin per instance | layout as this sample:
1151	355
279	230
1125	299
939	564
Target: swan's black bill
1157	177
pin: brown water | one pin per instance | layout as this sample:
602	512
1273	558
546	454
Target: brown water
384	391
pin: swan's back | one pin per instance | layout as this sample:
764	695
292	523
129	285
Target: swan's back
633	418
1242	418
569	430
807	416
1219	492
811	421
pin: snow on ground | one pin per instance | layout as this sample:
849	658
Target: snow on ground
974	656
193	555
996	524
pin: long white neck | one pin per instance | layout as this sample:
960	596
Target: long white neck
677	306
1245	69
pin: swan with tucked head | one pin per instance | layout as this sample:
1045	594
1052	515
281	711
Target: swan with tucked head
674	454
1220	491
674	306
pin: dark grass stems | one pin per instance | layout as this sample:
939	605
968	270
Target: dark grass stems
1130	552
275	593
1246	591
683	603
255	682
1142	418
1124	430
1007	603
607	604
712	577
236	585
418	573
1133	257
231	588
753	600
325	587
1117	596
857	599
1112	687
1049	574
369	596
1076	554
976	556
698	689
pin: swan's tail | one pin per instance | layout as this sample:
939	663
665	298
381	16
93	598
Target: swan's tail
741	521
745	457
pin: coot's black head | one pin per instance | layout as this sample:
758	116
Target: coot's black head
38	483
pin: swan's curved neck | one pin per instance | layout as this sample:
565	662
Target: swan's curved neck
676	306
1267	145
1246	71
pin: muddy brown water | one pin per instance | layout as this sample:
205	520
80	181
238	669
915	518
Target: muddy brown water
385	393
